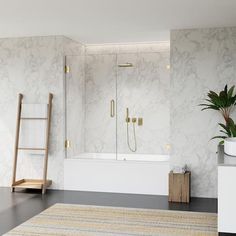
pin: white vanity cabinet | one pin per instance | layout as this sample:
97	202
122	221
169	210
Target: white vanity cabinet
226	193
227	199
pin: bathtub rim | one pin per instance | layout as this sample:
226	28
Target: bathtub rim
164	158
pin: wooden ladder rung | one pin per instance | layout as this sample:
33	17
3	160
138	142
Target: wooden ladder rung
33	118
36	149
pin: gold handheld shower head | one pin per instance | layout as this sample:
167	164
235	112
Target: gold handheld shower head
127	115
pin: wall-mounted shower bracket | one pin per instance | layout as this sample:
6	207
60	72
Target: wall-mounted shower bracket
127	119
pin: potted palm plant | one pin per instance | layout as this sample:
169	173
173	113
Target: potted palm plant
224	102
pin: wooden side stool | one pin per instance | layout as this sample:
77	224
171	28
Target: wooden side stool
179	187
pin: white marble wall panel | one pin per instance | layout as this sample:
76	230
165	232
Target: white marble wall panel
144	89
201	60
72	48
32	66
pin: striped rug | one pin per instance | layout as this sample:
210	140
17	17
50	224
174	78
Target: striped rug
67	219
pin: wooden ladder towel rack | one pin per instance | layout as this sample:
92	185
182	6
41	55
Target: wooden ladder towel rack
32	183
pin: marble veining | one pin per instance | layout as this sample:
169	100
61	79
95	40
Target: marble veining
143	88
33	66
201	59
100	89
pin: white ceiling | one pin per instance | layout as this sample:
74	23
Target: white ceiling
111	21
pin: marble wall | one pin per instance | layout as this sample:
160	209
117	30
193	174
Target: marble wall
33	66
201	59
144	88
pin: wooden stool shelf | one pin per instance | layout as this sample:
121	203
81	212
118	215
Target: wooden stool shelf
179	187
31	184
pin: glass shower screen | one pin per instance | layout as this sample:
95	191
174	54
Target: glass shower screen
117	106
91	107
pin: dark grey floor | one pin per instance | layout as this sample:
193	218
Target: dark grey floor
18	207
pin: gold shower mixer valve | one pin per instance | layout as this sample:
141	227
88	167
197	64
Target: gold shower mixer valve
133	119
139	121
128	119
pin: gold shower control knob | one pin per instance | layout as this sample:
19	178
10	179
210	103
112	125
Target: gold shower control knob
134	120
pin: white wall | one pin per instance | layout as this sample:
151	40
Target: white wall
201	60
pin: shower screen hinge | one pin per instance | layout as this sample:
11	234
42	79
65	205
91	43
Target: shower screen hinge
67	69
67	143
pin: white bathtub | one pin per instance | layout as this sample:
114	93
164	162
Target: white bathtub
122	157
139	174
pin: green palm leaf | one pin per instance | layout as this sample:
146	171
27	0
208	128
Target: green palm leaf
226	128
222	137
222	102
231	90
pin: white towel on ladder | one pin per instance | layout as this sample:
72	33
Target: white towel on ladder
33	132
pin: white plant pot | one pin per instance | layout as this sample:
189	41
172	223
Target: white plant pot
230	146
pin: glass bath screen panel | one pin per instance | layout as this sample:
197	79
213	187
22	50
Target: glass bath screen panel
117	106
143	122
91	106
100	105
75	105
